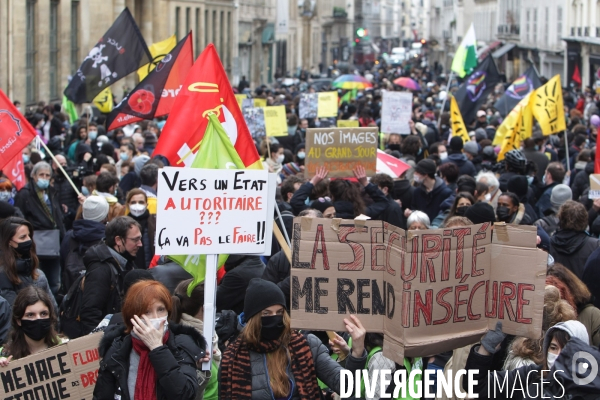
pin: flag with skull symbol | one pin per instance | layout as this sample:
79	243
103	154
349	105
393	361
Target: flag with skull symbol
119	52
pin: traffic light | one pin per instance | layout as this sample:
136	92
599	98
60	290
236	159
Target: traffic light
361	32
423	42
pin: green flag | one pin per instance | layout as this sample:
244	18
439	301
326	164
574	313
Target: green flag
216	152
70	109
465	59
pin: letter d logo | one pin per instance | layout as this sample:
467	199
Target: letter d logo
582	367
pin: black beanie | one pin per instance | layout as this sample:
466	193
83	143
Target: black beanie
518	185
134	276
321	205
481	212
261	294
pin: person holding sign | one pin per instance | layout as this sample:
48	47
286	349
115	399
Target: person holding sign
33	321
149	358
270	361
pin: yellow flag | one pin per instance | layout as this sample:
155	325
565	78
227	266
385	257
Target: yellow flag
522	110
157	49
512	139
458	125
548	107
104	101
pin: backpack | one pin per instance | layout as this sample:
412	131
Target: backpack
70	307
74	266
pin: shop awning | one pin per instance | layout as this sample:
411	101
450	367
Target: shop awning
503	50
582	39
487	49
268	34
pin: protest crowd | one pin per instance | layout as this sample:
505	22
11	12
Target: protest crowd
86	261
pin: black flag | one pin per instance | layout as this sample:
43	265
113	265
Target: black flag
154	96
475	89
520	88
119	52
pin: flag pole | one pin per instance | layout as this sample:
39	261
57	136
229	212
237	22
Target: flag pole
287	239
446	98
567	152
210	301
60	167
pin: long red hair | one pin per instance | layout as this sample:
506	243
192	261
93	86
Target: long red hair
140	297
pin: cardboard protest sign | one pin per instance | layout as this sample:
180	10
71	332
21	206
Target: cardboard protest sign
594	192
65	371
396	111
275	121
318	105
340	150
260	102
427	291
209	211
255	119
347	123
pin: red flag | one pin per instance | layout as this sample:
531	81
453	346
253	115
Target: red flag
15	131
154	95
206	88
15	171
576	75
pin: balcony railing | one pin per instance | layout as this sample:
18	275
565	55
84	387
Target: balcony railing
339	12
507	29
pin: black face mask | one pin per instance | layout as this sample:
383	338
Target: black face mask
272	327
394	147
503	214
127	255
24	248
460	211
36	329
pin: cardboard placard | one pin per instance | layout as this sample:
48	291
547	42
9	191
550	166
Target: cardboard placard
318	105
396	112
347	123
65	371
214	211
255	119
275	121
340	150
427	291
260	102
594	192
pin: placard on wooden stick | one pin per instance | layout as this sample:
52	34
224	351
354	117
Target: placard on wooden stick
340	150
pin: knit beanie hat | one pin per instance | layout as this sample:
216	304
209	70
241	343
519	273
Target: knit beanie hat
261	294
456	144
471	147
321	204
139	162
518	185
136	275
95	208
560	194
426	167
290	169
480	212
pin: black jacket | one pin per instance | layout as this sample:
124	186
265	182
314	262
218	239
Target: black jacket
572	249
430	202
30	205
582	181
169	274
392	214
278	272
540	160
591	276
232	290
465	167
174	364
103	286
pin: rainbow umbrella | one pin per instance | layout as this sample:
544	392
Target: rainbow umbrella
408	83
349	81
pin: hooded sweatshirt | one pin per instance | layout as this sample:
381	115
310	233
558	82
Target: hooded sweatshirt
465	167
572	249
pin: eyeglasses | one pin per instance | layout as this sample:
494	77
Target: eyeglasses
135	239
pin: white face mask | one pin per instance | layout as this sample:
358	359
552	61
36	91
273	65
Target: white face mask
443	155
551	357
157	321
417	178
137	209
487	197
280	158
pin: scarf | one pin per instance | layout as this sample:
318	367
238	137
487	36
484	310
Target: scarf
47	211
145	383
236	375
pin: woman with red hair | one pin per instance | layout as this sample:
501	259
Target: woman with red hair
149	358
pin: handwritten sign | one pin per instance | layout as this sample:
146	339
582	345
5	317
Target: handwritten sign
209	211
318	105
428	291
396	111
275	121
340	150
65	371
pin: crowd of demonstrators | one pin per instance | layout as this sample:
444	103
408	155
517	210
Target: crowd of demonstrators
94	253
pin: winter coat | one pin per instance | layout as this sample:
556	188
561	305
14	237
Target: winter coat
589	316
169	274
544	204
326	369
85	234
174	364
103	285
549	223
5	317
231	292
392	213
465	167
582	181
403	191
430	202
278	272
9	291
144	255
562	372
591	275
572	249
504	178
540	160
298	200
30	205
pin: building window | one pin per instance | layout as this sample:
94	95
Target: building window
527	27
547	25
559	23
222	49
188	20
534	28
30	49
197	33
177	21
206	33
74	36
53	39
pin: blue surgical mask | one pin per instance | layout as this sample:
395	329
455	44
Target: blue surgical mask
25	158
85	191
529	180
93	135
43	183
124	156
537	148
5	196
301	155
